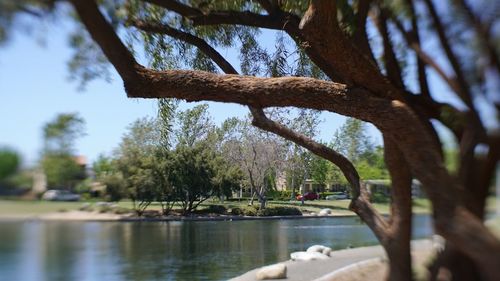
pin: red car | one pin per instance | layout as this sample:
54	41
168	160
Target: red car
308	196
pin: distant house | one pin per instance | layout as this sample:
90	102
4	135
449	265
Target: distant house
384	187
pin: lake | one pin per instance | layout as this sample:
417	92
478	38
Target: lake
196	250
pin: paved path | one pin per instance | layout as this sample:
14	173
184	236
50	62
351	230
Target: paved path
305	271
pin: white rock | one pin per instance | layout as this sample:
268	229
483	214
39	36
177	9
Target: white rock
307	256
327	251
275	271
317	248
325	212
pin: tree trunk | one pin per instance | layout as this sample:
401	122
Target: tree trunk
397	245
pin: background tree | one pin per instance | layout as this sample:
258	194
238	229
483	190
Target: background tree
193	125
136	162
9	162
59	161
257	153
334	69
192	176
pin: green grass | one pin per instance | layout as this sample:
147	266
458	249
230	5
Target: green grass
339	207
16	207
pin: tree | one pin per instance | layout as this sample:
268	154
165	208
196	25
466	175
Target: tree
136	163
194	125
337	71
9	162
191	176
299	161
60	134
58	160
257	153
352	140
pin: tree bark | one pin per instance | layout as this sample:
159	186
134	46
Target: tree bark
399	232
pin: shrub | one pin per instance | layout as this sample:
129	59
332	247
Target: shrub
378	197
245	211
283	195
213	209
279	211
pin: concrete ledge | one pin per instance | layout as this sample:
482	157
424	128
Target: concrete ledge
376	267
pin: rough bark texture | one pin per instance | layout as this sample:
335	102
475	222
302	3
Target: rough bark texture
399	232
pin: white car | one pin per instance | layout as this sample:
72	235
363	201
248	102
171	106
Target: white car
337	196
60	195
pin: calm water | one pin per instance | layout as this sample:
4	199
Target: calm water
50	251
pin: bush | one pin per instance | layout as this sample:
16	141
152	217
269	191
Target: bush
279	211
245	211
378	197
212	209
283	195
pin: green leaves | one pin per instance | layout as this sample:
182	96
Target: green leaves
9	162
61	133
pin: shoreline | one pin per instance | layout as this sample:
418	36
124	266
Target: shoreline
361	263
79	216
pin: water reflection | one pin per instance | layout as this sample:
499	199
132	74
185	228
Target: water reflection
168	250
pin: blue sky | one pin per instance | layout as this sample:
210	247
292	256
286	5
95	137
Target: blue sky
35	87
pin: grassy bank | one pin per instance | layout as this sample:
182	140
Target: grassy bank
338	207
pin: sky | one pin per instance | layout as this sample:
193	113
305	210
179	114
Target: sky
35	87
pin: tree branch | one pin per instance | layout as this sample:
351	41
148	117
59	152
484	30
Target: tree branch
391	62
177	7
360	203
412	43
320	28
463	92
399	232
198	42
104	35
360	37
422	75
482	33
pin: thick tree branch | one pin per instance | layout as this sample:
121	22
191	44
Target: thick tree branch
360	36
104	35
399	232
278	22
323	35
177	7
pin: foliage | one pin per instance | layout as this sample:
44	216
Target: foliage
213	209
250	211
194	125
58	160
352	140
61	133
191	176
115	186
136	163
9	162
279	211
61	170
258	155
